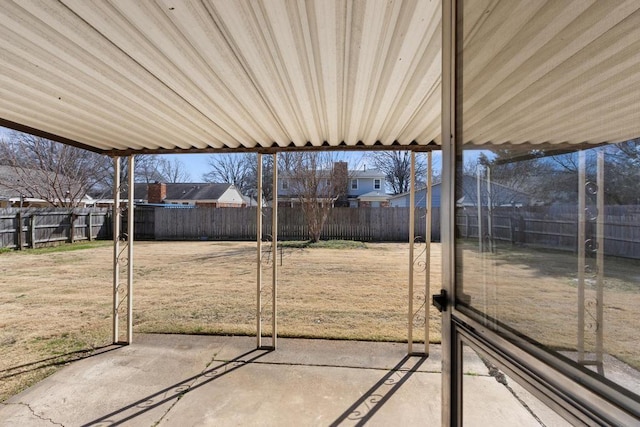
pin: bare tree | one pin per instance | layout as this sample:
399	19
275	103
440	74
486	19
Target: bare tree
396	165
153	168
267	176
173	170
628	150
62	175
549	176
622	170
317	180
147	168
59	174
241	170
231	168
483	181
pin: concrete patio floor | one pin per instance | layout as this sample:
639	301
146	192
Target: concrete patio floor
179	380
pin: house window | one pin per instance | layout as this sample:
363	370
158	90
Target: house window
328	183
354	184
285	184
376	184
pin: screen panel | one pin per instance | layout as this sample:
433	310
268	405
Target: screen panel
547	217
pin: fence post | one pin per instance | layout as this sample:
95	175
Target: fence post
108	220
32	230
511	230
71	230
90	226
466	225
521	230
19	241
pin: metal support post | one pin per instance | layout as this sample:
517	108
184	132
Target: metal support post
451	384
479	205
130	231
416	262
489	211
591	263
600	265
427	239
259	255
119	260
116	219
272	257
581	251
412	208
274	247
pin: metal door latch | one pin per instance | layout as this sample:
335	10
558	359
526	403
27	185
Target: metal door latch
439	301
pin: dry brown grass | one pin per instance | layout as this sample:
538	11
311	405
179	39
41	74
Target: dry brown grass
536	291
51	305
58	303
210	288
54	306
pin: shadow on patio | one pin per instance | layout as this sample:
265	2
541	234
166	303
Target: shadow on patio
177	380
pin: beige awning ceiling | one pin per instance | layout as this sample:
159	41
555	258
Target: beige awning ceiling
551	72
222	74
123	76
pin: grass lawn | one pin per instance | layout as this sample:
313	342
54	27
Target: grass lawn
535	291
56	304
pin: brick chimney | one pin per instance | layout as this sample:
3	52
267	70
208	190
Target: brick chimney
341	178
156	192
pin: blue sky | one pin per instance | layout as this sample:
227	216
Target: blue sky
197	164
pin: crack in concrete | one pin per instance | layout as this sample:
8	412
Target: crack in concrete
40	417
502	379
204	370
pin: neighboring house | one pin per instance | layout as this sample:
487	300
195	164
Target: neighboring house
467	194
189	194
402	200
250	201
364	188
373	199
367	188
102	203
11	200
15	195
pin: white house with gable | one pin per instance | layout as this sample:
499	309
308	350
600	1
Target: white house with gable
365	188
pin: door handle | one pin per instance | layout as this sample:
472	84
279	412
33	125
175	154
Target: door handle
439	301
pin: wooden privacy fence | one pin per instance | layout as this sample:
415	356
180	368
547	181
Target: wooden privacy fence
555	227
546	227
363	224
20	228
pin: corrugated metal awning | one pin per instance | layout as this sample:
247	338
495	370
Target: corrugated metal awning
551	72
222	75
123	76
